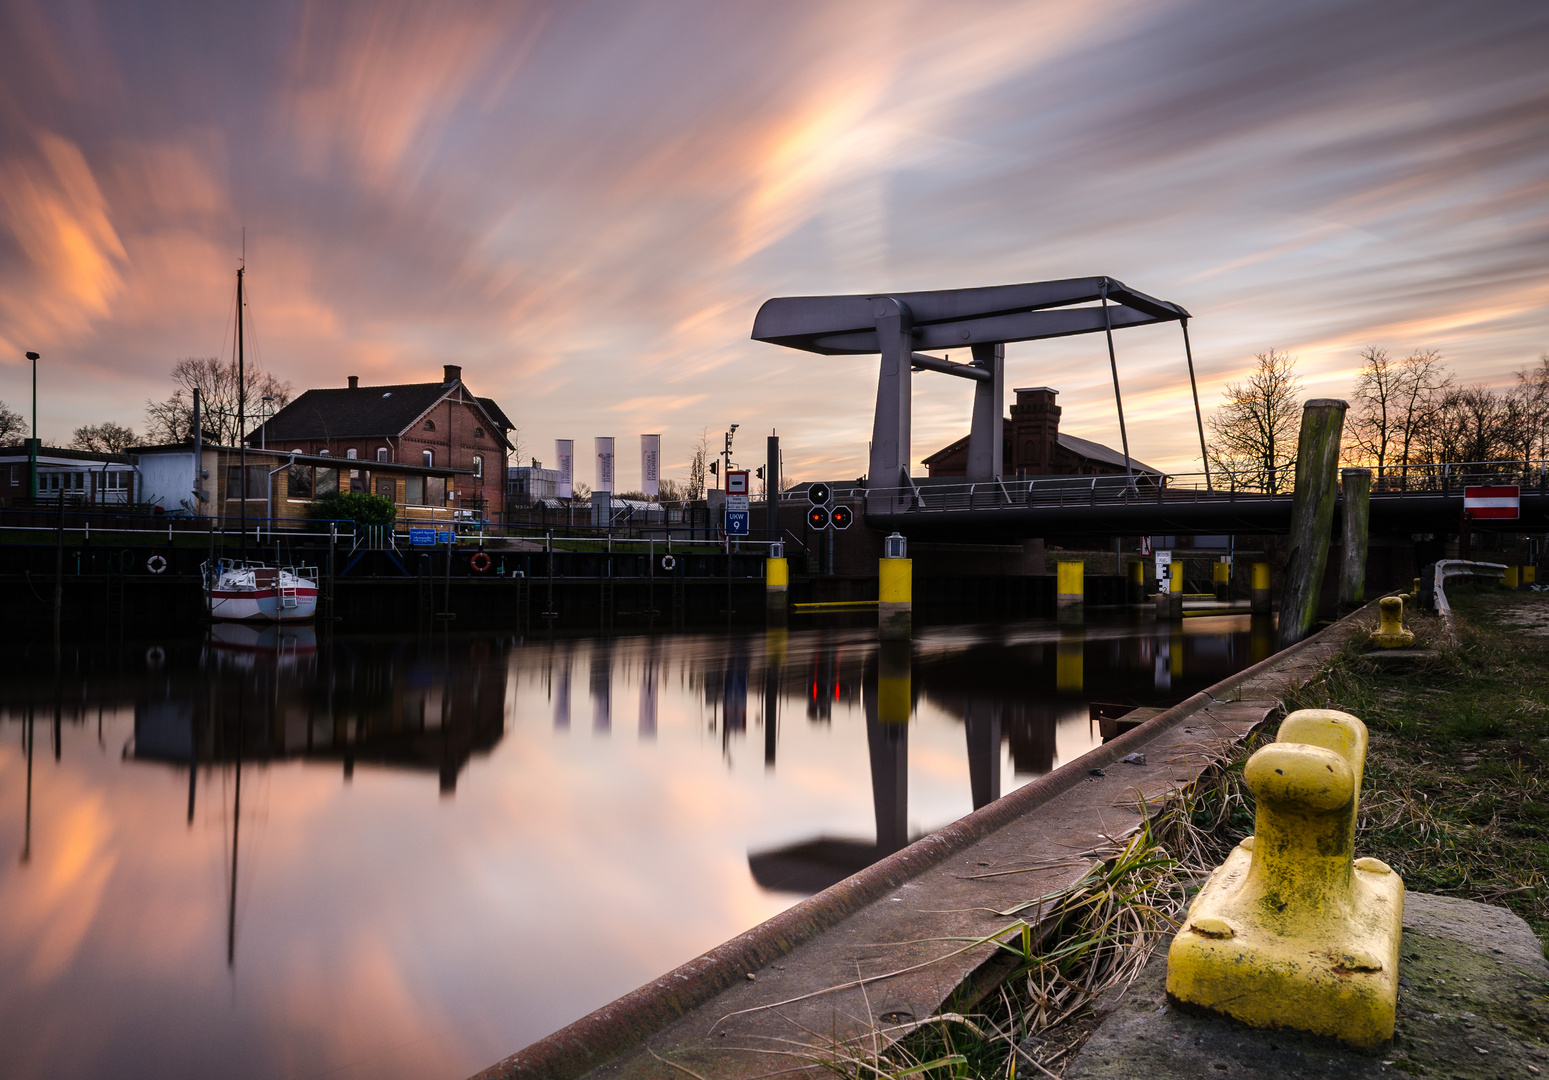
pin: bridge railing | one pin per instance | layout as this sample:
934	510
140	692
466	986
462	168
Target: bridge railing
928	496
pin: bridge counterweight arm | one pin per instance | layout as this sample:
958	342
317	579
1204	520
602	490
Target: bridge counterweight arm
946	367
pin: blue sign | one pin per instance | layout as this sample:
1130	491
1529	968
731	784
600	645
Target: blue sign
446	538
422	536
737	522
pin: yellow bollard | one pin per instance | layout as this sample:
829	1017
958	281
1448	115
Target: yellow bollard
1390	634
1529	575
1509	579
1222	572
1070	591
1260	593
1136	583
1175	591
895	595
777	581
1292	931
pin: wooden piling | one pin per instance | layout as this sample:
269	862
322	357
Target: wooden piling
1357	486
1312	516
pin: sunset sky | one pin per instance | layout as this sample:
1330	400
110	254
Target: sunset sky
585	203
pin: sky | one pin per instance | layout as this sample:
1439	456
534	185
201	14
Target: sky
585	203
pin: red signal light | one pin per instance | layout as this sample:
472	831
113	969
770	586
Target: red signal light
841	516
817	518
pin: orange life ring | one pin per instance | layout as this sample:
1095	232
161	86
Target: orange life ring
479	562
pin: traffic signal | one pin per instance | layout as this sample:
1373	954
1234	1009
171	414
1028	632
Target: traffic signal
760	472
715	468
841	516
817	517
818	494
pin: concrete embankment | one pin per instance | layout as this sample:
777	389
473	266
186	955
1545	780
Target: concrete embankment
887	944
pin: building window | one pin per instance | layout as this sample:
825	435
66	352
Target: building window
478	433
430	458
327	482
350	453
478	467
430	425
299	482
381	453
435	491
322	453
14	471
414	490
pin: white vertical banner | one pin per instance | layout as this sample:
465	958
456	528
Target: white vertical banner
651	465
564	449
604	463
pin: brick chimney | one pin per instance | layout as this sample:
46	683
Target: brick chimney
1035	431
354	382
453	372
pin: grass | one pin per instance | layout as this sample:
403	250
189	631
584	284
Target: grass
1453	799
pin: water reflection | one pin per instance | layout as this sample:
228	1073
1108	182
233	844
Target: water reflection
229	837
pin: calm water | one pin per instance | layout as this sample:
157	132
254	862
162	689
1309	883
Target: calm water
410	857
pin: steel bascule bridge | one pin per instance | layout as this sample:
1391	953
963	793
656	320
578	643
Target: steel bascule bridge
986	505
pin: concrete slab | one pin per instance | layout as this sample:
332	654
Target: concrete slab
1471	1004
895	940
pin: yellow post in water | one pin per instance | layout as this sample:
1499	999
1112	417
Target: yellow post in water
1175	591
1136	583
1292	931
1510	579
1223	578
1390	633
1260	592
1070	591
895	591
777	581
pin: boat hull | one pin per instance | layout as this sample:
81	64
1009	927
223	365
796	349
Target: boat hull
264	605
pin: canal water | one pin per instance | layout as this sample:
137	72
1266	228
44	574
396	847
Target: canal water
282	854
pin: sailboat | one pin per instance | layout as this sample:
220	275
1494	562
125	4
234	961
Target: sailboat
242	589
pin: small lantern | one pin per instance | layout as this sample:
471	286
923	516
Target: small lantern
894	546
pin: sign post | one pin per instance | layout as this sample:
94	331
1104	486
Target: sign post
738	514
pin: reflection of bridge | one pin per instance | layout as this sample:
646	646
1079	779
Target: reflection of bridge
1055	506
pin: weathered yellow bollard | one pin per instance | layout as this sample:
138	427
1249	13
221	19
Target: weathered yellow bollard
1292	931
1260	593
777	582
1390	633
895	591
1070	592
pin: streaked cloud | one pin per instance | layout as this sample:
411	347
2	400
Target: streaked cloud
585	203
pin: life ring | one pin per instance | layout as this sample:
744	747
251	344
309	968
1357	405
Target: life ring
668	562
155	656
479	562
156	564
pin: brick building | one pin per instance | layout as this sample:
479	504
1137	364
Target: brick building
1033	445
437	425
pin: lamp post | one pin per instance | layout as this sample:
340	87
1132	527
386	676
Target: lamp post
32	444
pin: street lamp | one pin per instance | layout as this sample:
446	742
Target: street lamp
32	445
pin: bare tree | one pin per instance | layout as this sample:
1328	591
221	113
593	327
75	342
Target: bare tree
1423	384
1372	425
1463	425
216	380
698	467
1254	429
12	426
1528	403
104	438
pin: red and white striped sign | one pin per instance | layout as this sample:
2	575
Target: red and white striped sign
1493	502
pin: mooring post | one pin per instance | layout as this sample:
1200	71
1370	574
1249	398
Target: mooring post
1136	583
1222	577
1312	516
1356	527
777	578
1262	602
895	591
1070	595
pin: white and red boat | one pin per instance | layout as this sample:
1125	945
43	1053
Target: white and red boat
250	590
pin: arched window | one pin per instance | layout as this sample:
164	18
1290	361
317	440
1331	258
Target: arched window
430	458
381	453
350	453
430	425
478	466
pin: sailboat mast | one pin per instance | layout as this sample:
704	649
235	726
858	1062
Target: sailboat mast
242	413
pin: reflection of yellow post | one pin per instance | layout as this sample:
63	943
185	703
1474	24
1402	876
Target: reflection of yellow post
1223	578
1261	639
1069	656
1261	599
777	580
1175	652
893	694
895	599
1070	591
1293	930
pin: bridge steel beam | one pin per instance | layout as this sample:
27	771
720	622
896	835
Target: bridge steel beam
986	439
890	427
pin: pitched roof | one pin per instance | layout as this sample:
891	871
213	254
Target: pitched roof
363	412
497	414
1086	448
